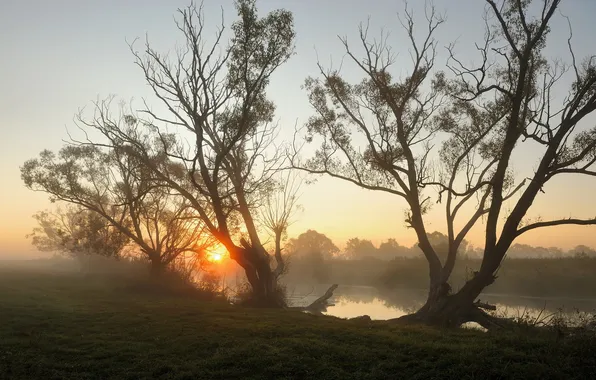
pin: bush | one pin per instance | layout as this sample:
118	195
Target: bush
133	273
244	296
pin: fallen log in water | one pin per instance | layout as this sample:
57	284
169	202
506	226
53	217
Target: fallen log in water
320	305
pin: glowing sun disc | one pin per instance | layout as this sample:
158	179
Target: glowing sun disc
216	256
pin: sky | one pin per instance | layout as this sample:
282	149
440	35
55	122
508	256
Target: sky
58	56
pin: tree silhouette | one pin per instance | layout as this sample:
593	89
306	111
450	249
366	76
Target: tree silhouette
114	186
311	253
277	212
214	143
359	248
310	242
470	120
76	232
391	248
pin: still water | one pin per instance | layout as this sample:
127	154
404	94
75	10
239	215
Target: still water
354	301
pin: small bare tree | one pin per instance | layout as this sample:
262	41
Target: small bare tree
381	133
277	213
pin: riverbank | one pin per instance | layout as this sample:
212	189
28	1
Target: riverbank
383	304
66	326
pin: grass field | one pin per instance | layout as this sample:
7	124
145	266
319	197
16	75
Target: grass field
68	326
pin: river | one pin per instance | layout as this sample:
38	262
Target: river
353	301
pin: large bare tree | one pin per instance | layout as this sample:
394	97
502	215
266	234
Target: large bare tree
381	134
216	134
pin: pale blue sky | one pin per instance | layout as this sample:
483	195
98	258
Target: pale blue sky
57	56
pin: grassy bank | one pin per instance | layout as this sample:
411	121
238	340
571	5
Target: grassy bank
68	326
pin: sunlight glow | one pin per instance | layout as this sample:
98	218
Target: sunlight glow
217	254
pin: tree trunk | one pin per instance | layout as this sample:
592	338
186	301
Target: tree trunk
452	310
268	293
157	267
260	276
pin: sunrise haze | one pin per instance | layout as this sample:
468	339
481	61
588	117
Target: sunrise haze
58	56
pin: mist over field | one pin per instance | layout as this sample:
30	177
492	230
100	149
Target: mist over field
261	190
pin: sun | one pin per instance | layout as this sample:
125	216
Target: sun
217	254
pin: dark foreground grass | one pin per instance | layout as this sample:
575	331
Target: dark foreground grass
67	326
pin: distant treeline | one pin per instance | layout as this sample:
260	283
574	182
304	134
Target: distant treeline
313	243
546	277
359	248
526	270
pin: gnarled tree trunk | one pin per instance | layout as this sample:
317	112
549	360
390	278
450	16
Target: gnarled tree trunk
262	278
157	267
446	309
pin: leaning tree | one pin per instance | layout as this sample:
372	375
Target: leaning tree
381	134
215	132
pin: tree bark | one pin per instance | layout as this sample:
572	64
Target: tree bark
262	279
157	268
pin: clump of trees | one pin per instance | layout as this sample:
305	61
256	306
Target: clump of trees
113	195
77	232
311	253
359	248
469	119
528	251
312	242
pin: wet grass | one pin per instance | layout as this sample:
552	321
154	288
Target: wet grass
70	326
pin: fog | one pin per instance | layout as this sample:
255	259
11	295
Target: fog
383	282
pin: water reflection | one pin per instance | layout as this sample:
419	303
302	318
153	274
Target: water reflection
375	309
353	301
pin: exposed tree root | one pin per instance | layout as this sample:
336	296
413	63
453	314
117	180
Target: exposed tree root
447	313
485	306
